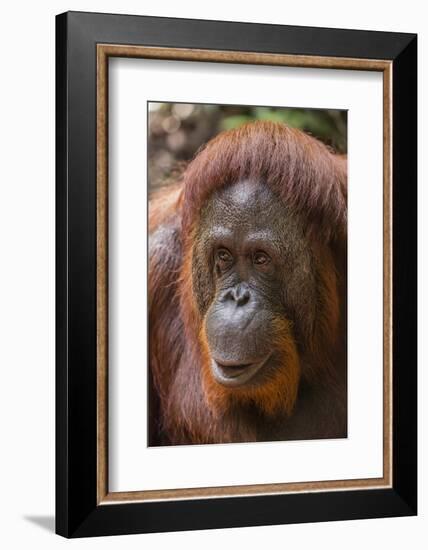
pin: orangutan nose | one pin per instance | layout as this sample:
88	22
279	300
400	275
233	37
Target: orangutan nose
240	294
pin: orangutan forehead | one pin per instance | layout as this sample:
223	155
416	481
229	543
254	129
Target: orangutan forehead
247	203
246	194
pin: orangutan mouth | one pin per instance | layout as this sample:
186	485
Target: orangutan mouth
234	374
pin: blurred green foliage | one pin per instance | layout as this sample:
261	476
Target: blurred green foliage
327	125
177	130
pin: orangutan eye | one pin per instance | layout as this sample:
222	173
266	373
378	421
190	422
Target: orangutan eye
224	257
260	259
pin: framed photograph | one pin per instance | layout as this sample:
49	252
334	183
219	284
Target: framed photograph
236	274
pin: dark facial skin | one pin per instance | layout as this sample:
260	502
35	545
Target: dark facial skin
252	265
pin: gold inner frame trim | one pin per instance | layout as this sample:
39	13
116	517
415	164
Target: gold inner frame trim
104	51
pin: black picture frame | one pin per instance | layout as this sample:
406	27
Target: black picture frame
77	512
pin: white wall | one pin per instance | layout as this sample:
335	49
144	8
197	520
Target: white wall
27	271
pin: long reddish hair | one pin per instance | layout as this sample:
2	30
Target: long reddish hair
311	180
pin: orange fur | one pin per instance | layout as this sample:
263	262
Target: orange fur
190	405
